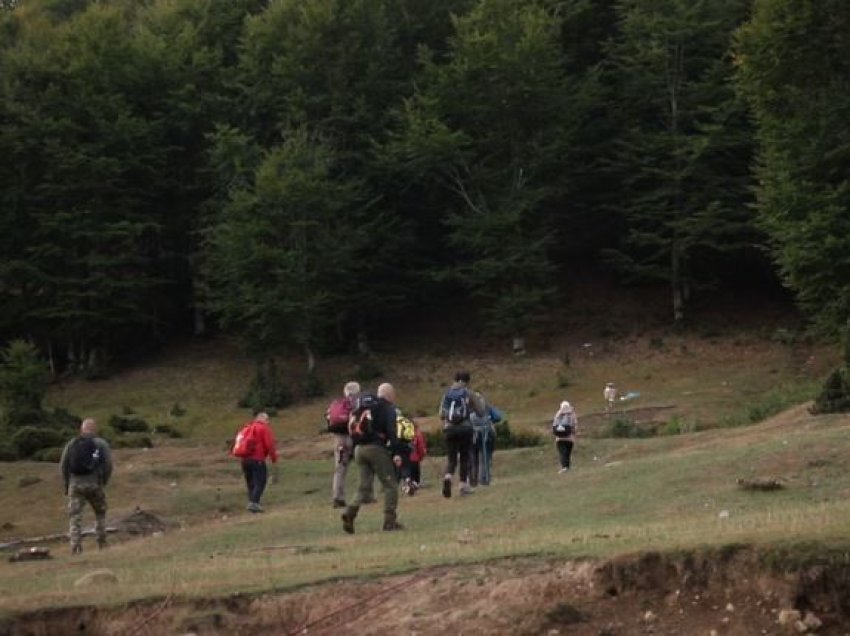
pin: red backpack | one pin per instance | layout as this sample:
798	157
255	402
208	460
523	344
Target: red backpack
246	441
338	415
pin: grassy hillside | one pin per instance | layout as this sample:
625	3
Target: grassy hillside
624	494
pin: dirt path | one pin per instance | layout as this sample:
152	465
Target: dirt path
724	592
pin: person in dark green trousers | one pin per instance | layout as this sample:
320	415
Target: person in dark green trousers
376	452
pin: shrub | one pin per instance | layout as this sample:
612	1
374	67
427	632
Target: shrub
167	429
28	440
132	440
622	428
834	396
52	455
23	381
122	424
678	425
267	390
367	369
312	386
8	453
60	418
177	410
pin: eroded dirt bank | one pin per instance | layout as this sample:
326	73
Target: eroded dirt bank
732	591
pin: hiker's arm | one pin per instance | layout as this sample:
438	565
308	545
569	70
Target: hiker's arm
63	466
271	444
106	468
477	405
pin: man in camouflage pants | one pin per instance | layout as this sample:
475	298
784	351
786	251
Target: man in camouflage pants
86	466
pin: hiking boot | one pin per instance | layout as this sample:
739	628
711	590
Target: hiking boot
348	520
76	549
390	522
447	486
339	503
465	488
563	470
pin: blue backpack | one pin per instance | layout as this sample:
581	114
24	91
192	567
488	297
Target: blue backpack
455	406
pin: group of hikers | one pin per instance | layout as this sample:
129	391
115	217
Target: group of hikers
368	429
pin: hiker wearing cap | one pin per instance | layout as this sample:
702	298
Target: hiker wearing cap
377	453
86	466
456	408
564	428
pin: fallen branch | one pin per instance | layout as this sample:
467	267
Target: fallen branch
48	538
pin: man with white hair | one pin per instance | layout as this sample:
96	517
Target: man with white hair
338	417
376	450
86	466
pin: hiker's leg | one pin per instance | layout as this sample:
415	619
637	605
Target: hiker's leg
75	517
342	457
483	458
385	471
568	451
563	458
366	477
261	477
473	459
414	472
452	450
248	472
465	443
97	499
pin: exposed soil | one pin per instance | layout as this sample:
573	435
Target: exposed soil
733	591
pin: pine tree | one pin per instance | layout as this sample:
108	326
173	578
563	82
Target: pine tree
685	148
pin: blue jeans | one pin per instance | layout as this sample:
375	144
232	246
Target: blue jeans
256	476
482	455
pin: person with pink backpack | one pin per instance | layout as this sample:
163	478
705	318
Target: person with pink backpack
338	417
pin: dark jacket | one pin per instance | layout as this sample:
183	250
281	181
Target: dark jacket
98	478
383	428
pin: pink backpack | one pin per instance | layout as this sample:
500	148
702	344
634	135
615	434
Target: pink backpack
339	412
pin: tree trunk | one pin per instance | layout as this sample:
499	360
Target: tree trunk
363	343
311	359
677	288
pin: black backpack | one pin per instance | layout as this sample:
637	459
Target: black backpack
361	428
84	456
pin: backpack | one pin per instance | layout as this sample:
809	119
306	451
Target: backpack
360	426
562	427
246	440
84	456
455	406
338	415
404	428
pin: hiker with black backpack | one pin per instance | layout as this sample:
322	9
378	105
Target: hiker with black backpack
86	466
337	417
377	453
564	428
456	407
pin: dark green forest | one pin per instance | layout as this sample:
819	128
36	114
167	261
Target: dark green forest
300	172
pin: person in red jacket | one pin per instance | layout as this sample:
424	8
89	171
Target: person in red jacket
419	452
261	445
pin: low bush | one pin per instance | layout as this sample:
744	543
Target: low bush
167	429
505	438
132	440
312	386
177	410
834	396
121	424
52	455
28	440
678	425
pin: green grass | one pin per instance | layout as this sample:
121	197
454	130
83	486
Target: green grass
625	495
663	493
